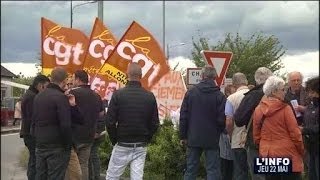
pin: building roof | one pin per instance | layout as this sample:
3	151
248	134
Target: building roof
18	85
6	73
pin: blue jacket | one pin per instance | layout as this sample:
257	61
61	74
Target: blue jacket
202	117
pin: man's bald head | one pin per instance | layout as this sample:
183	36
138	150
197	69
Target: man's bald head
58	75
134	72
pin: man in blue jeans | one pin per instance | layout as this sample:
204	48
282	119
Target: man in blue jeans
202	120
132	120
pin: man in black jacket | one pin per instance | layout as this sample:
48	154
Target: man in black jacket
202	119
52	128
244	112
310	129
132	120
84	125
39	83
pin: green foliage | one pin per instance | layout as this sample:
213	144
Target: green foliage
105	150
17	92
165	157
39	64
248	53
24	158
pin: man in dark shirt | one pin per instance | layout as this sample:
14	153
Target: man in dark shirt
39	83
94	160
52	128
310	129
84	120
244	112
296	92
202	120
132	120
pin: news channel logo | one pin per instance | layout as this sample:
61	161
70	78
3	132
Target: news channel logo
267	165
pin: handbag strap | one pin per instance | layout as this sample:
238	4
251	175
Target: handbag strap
249	124
251	119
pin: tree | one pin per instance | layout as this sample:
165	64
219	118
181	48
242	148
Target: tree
17	92
39	64
248	54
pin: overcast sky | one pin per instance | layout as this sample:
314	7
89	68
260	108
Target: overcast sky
296	24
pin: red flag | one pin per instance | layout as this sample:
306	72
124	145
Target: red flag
136	45
61	46
101	45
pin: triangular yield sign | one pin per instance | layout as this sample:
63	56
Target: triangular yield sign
220	60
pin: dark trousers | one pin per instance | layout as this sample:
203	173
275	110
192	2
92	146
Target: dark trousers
252	153
240	165
30	142
211	159
292	176
313	165
94	160
52	163
226	169
15	120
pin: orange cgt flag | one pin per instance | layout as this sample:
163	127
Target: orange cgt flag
61	46
101	45
136	45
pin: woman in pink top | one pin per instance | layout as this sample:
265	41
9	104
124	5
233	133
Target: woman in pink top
17	111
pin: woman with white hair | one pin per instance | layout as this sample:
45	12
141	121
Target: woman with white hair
275	129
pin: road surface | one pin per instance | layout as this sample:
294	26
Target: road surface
11	147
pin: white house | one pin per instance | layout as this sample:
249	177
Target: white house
6	75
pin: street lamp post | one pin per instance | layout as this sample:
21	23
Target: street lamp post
72	8
180	44
100	10
163	25
71	15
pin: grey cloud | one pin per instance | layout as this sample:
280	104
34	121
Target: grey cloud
296	27
294	23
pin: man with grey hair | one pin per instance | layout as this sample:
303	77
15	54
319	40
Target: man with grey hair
52	128
261	75
295	91
240	169
132	119
244	112
202	120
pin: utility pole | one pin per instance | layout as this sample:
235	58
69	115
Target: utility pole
71	15
100	10
77	5
164	28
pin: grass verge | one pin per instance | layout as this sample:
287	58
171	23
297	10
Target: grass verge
24	157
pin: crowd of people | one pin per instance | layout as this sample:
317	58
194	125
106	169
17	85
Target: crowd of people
64	122
270	119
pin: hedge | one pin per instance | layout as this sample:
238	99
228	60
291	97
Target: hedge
165	157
